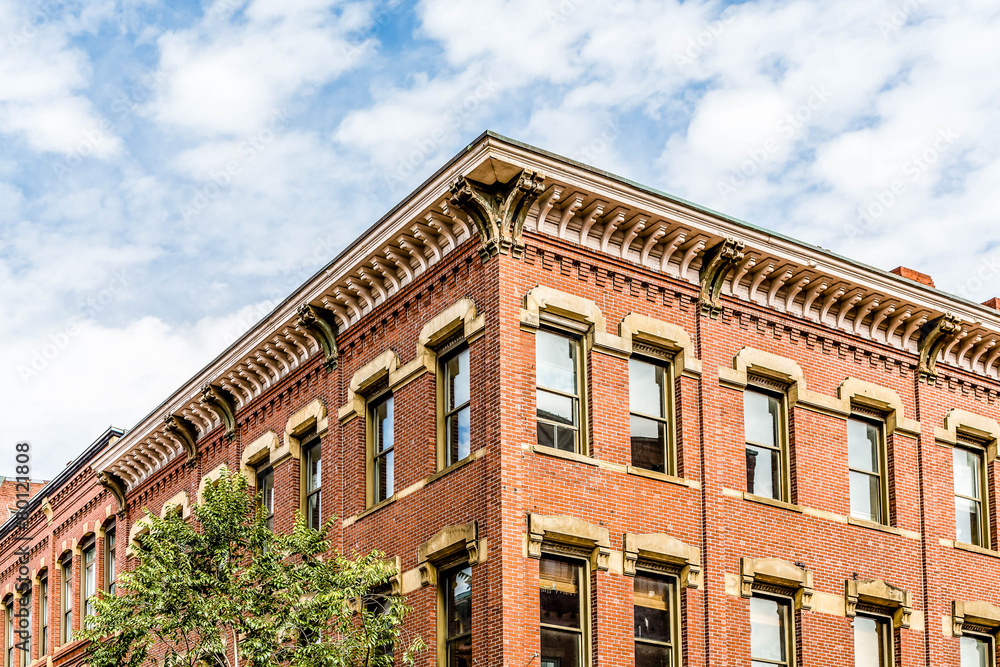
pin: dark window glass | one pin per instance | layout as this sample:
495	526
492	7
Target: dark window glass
976	652
9	609
314	481
457	417
378	604
653	601
872	642
89	578
762	422
561	603
458	617
383	443
769	632
557	392
969	516
43	611
109	562
865	460
265	487
648	395
67	601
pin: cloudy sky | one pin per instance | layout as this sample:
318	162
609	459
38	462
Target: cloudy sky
168	171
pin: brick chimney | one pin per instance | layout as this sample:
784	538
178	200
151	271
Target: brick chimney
993	303
915	276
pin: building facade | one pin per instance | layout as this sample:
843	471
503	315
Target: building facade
593	425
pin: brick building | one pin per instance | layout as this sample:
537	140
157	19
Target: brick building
594	425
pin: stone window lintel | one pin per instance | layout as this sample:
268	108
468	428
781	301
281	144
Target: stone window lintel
777	572
878	593
974	613
662	549
558	530
445	545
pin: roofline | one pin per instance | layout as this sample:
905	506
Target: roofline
65	475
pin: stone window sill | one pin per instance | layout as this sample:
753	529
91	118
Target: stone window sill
560	454
892	530
662	477
971	548
771	502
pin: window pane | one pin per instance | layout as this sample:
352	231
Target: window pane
458	601
646	388
460	652
653	655
767	630
561	648
652	601
763	471
457	372
459	435
314	469
967	521
863	446
967	465
559	593
556	408
869	647
313	510
649	444
866	497
566	439
384	425
975	652
760	418
555	362
384	476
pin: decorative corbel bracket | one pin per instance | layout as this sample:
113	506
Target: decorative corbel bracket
718	262
777	572
115	486
878	593
218	400
498	211
321	325
180	429
451	543
935	335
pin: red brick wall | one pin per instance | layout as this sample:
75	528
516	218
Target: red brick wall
509	481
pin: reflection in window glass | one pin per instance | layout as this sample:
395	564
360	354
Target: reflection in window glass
872	642
769	624
557	392
89	577
864	458
969	518
457	411
383	448
764	460
314	484
653	601
561	603
975	652
458	617
265	487
648	415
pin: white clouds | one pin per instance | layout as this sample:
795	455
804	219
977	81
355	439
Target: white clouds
41	79
229	73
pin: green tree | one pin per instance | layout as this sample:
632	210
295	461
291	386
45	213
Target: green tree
224	590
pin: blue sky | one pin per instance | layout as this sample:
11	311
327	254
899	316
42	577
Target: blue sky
168	172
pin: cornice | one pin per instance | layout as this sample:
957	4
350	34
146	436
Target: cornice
581	205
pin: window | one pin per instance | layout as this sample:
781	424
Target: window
265	487
872	642
770	632
458	617
89	577
763	423
557	367
43	614
9	608
649	391
67	600
382	447
655	613
976	651
563	605
970	514
377	604
109	559
25	646
867	464
313	484
457	424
